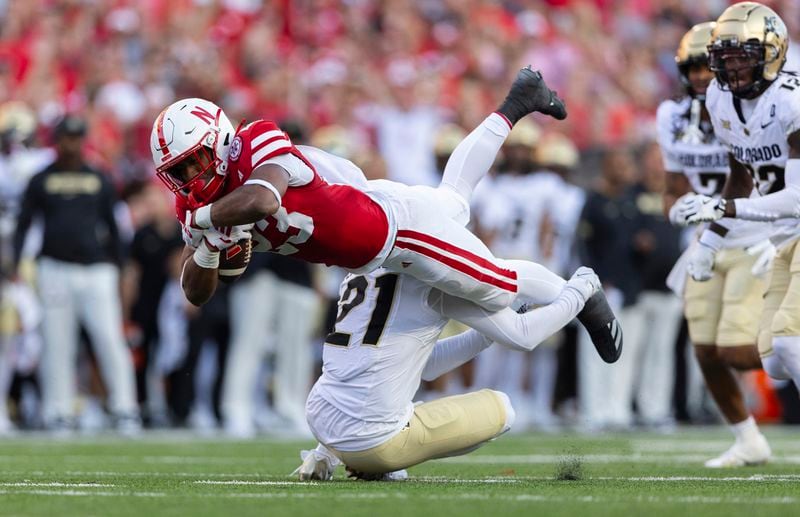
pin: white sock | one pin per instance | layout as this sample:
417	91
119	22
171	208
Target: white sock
787	348
473	157
746	429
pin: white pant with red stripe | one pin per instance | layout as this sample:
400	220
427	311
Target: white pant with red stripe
433	245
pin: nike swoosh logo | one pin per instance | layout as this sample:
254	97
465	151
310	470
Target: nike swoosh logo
767	124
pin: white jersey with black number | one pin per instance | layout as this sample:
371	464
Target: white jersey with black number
373	360
758	139
520	205
705	164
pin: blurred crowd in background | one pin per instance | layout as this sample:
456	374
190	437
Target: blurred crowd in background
393	86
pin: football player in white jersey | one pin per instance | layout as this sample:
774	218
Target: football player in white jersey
361	409
722	311
385	340
755	109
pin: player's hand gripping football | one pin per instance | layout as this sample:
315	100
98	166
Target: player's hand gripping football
191	236
218	239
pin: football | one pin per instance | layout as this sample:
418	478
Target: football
234	260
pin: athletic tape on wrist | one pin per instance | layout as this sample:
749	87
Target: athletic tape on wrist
202	217
205	258
267	185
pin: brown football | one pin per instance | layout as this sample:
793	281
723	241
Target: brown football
234	260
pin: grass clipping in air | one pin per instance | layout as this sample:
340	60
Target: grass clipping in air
569	467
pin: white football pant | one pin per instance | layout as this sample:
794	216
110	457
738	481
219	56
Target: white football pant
87	294
269	314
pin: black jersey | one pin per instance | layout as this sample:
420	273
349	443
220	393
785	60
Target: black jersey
77	209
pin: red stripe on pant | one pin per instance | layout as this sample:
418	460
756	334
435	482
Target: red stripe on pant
455	250
459	266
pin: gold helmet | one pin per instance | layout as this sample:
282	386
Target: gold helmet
693	50
17	121
335	140
447	138
556	150
748	31
525	133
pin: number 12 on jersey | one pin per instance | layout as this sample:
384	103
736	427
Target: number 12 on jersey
354	295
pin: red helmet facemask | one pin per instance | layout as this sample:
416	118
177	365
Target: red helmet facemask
194	175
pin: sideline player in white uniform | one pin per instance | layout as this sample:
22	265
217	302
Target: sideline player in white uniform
722	311
755	109
385	340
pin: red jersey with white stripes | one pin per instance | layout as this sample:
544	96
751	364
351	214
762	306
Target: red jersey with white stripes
332	224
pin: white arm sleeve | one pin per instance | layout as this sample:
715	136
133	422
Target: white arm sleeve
512	330
452	352
778	205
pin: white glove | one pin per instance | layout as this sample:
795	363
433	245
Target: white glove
697	208
218	239
191	235
585	281
765	251
675	213
701	263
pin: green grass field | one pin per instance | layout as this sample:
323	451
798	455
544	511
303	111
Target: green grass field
177	474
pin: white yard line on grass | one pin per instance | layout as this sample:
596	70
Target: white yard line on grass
522	498
239	482
57	484
424	479
166	460
278	480
109	473
83	493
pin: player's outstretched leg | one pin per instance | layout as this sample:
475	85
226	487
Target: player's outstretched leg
529	93
603	327
473	157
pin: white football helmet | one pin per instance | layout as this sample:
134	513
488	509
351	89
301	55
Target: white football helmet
189	138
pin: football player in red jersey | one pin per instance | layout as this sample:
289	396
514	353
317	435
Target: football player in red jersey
301	201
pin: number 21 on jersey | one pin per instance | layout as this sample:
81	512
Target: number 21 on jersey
356	316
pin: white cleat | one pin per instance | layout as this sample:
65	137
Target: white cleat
742	454
315	467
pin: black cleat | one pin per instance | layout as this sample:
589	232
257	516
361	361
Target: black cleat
603	327
529	93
